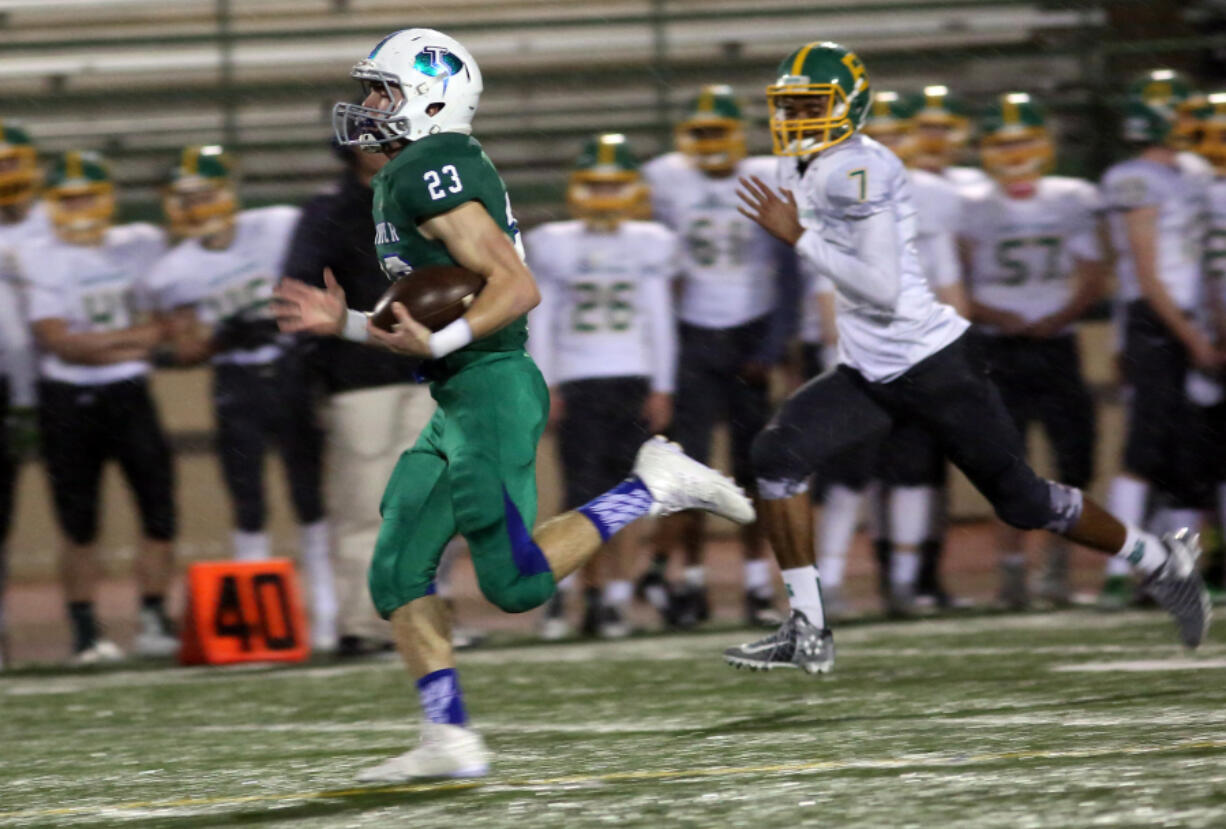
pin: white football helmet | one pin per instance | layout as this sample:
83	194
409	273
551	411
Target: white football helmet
431	81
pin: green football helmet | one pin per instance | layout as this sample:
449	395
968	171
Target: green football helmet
80	196
201	198
713	132
821	97
1015	146
1161	108
889	121
942	127
606	184
1211	142
18	165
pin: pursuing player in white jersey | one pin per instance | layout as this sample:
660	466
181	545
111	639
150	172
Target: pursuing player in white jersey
214	289
908	514
1035	269
89	311
846	206
1157	204
733	310
21	219
604	338
942	133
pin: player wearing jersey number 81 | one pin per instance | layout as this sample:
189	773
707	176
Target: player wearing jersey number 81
902	356
440	201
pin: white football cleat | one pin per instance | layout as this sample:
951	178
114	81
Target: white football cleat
155	643
678	482
102	652
445	751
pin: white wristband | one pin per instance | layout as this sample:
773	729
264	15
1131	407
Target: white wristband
450	338
355	326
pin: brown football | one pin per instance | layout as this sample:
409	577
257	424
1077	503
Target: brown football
434	296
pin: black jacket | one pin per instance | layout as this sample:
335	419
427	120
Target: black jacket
336	230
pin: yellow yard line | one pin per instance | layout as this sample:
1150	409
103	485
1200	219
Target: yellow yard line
624	776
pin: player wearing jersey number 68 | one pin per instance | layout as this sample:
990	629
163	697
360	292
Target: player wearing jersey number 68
439	201
605	340
845	203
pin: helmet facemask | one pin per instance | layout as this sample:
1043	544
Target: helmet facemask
81	213
607	196
806	118
19	175
1017	157
715	144
198	208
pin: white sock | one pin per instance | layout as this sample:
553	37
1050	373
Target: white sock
904	566
618	593
757	576
251	546
805	593
1126	501
695	575
910	514
1142	551
317	563
839	515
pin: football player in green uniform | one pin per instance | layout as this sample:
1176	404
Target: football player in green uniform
439	201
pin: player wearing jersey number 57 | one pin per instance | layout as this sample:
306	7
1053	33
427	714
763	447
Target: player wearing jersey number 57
89	308
605	340
1035	268
845	203
439	201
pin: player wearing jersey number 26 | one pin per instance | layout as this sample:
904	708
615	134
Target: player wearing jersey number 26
845	203
439	201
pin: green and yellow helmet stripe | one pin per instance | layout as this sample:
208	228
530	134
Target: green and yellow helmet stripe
607	159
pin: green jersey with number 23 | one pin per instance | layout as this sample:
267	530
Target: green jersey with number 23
428	177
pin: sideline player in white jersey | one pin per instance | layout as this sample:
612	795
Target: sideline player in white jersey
1035	269
846	205
89	311
605	340
214	289
908	467
1157	202
22	218
733	311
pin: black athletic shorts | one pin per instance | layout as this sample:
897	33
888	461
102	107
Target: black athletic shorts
711	388
259	406
1040	381
602	429
1165	432
82	428
8	469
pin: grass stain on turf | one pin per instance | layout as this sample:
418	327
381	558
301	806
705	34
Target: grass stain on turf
969	727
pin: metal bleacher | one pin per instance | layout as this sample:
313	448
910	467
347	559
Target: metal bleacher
137	79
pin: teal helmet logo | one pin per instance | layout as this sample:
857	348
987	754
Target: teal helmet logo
435	61
820	98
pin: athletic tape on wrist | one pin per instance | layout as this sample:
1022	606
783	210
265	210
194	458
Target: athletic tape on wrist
451	338
355	326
